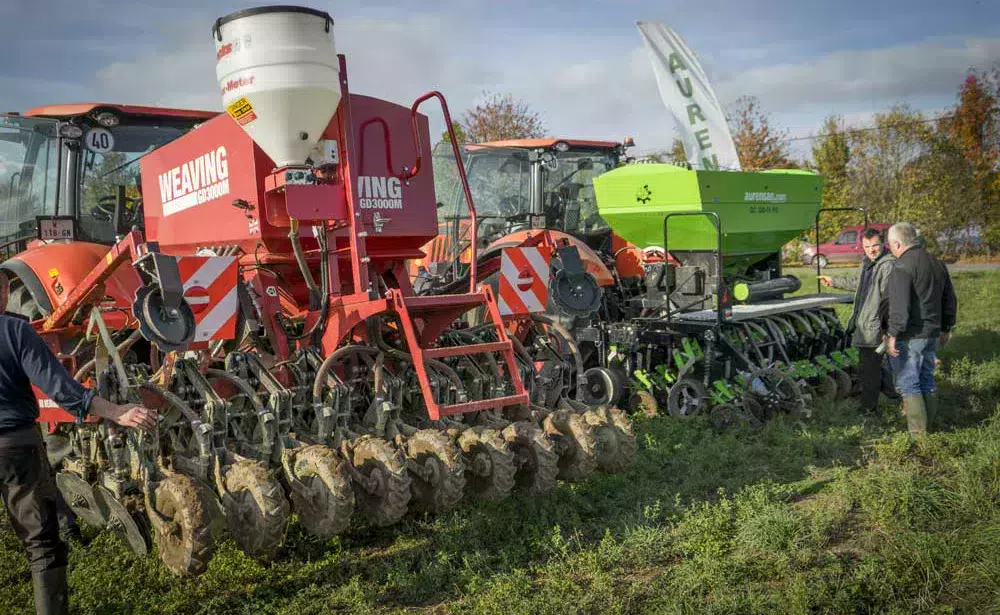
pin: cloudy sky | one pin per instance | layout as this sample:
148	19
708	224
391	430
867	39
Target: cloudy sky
581	64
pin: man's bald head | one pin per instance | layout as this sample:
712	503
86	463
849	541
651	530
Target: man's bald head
901	237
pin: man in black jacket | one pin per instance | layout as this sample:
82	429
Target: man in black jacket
27	486
922	310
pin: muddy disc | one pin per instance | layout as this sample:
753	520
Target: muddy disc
844	383
615	441
644	402
489	463
576	443
437	481
321	493
184	539
535	457
725	417
80	497
385	500
826	387
122	522
256	509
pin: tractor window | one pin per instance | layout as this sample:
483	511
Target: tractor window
103	173
29	160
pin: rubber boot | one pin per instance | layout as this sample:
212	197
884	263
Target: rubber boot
930	406
51	592
916	414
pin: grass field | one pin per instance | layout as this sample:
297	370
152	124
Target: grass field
841	514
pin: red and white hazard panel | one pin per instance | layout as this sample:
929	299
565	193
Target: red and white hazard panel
210	289
524	281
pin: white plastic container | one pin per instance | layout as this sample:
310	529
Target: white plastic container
280	77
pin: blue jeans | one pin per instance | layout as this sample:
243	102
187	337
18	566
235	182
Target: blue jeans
913	369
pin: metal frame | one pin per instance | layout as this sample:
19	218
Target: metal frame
717	222
819	287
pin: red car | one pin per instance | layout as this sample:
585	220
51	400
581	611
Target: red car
846	248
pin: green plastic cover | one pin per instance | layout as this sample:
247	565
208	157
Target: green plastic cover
760	212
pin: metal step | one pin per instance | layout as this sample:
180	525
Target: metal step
483	404
455	351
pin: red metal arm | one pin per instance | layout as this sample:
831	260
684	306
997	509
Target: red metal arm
461	172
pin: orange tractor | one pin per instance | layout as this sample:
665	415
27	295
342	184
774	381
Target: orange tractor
257	291
537	196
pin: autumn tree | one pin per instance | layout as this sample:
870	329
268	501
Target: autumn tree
500	117
973	127
830	157
460	135
675	154
759	144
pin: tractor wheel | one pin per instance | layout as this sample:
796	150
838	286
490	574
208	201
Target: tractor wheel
604	387
687	397
185	540
437	473
21	302
615	441
726	417
535	457
321	493
256	509
489	463
576	442
844	384
384	501
644	402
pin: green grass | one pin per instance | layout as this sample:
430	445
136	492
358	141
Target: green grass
841	514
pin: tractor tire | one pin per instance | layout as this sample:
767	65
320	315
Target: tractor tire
844	384
489	463
185	541
644	402
321	493
22	303
687	398
435	451
256	509
535	457
576	442
615	440
377	459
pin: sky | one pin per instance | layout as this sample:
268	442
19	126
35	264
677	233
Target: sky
580	64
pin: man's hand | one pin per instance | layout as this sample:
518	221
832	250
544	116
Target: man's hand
826	280
944	339
126	415
133	415
892	350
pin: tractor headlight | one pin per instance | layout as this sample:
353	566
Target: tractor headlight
70	131
562	146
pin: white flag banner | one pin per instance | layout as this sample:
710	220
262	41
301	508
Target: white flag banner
684	88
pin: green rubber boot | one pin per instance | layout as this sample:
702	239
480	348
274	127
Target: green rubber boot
931	406
916	414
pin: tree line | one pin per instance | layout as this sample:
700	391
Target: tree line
941	172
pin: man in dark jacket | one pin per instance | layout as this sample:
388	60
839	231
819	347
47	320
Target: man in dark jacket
922	310
865	325
27	486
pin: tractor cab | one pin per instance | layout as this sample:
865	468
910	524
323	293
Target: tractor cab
527	184
70	187
71	172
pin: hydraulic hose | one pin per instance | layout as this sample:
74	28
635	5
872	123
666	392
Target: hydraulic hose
335	356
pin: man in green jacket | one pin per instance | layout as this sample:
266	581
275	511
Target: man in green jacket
865	326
